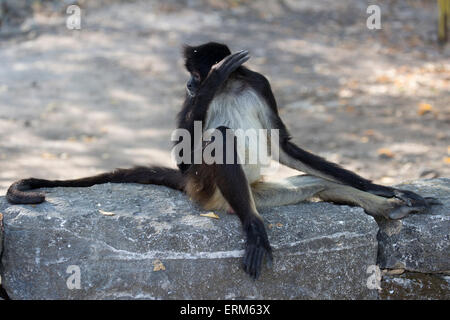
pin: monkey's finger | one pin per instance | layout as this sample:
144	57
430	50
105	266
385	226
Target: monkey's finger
235	61
248	257
242	60
258	262
269	261
270	256
230	57
236	64
433	201
238	56
410	198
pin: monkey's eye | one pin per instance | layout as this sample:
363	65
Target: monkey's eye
196	76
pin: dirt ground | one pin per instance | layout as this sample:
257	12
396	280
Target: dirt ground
78	102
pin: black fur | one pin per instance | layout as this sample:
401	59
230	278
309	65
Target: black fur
203	57
195	107
232	183
146	175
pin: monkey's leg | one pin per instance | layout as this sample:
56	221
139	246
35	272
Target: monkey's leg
299	188
230	180
389	208
291	190
17	192
302	160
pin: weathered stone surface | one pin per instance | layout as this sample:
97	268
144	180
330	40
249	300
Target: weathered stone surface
15	8
414	285
419	243
157	246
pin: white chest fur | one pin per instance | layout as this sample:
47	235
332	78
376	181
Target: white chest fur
241	109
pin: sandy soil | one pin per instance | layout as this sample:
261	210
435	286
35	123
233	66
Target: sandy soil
74	103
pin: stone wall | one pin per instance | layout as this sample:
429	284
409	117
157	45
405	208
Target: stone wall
150	242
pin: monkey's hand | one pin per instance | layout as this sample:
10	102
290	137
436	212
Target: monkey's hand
222	70
217	76
257	247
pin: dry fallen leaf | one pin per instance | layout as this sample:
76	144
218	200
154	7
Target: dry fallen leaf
364	139
158	265
350	109
383	79
279	225
424	108
210	215
385	152
88	139
393	272
106	213
48	155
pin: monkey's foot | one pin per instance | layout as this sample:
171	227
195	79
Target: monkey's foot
407	201
230	211
257	247
411	203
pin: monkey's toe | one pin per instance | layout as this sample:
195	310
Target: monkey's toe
402	211
412	204
431	201
253	259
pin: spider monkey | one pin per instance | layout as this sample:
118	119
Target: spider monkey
223	94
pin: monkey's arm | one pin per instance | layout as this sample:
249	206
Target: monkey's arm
195	108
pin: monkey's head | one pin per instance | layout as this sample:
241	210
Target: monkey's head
200	59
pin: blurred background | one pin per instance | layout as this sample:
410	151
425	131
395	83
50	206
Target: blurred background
79	102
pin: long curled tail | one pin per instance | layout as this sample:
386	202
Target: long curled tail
18	192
